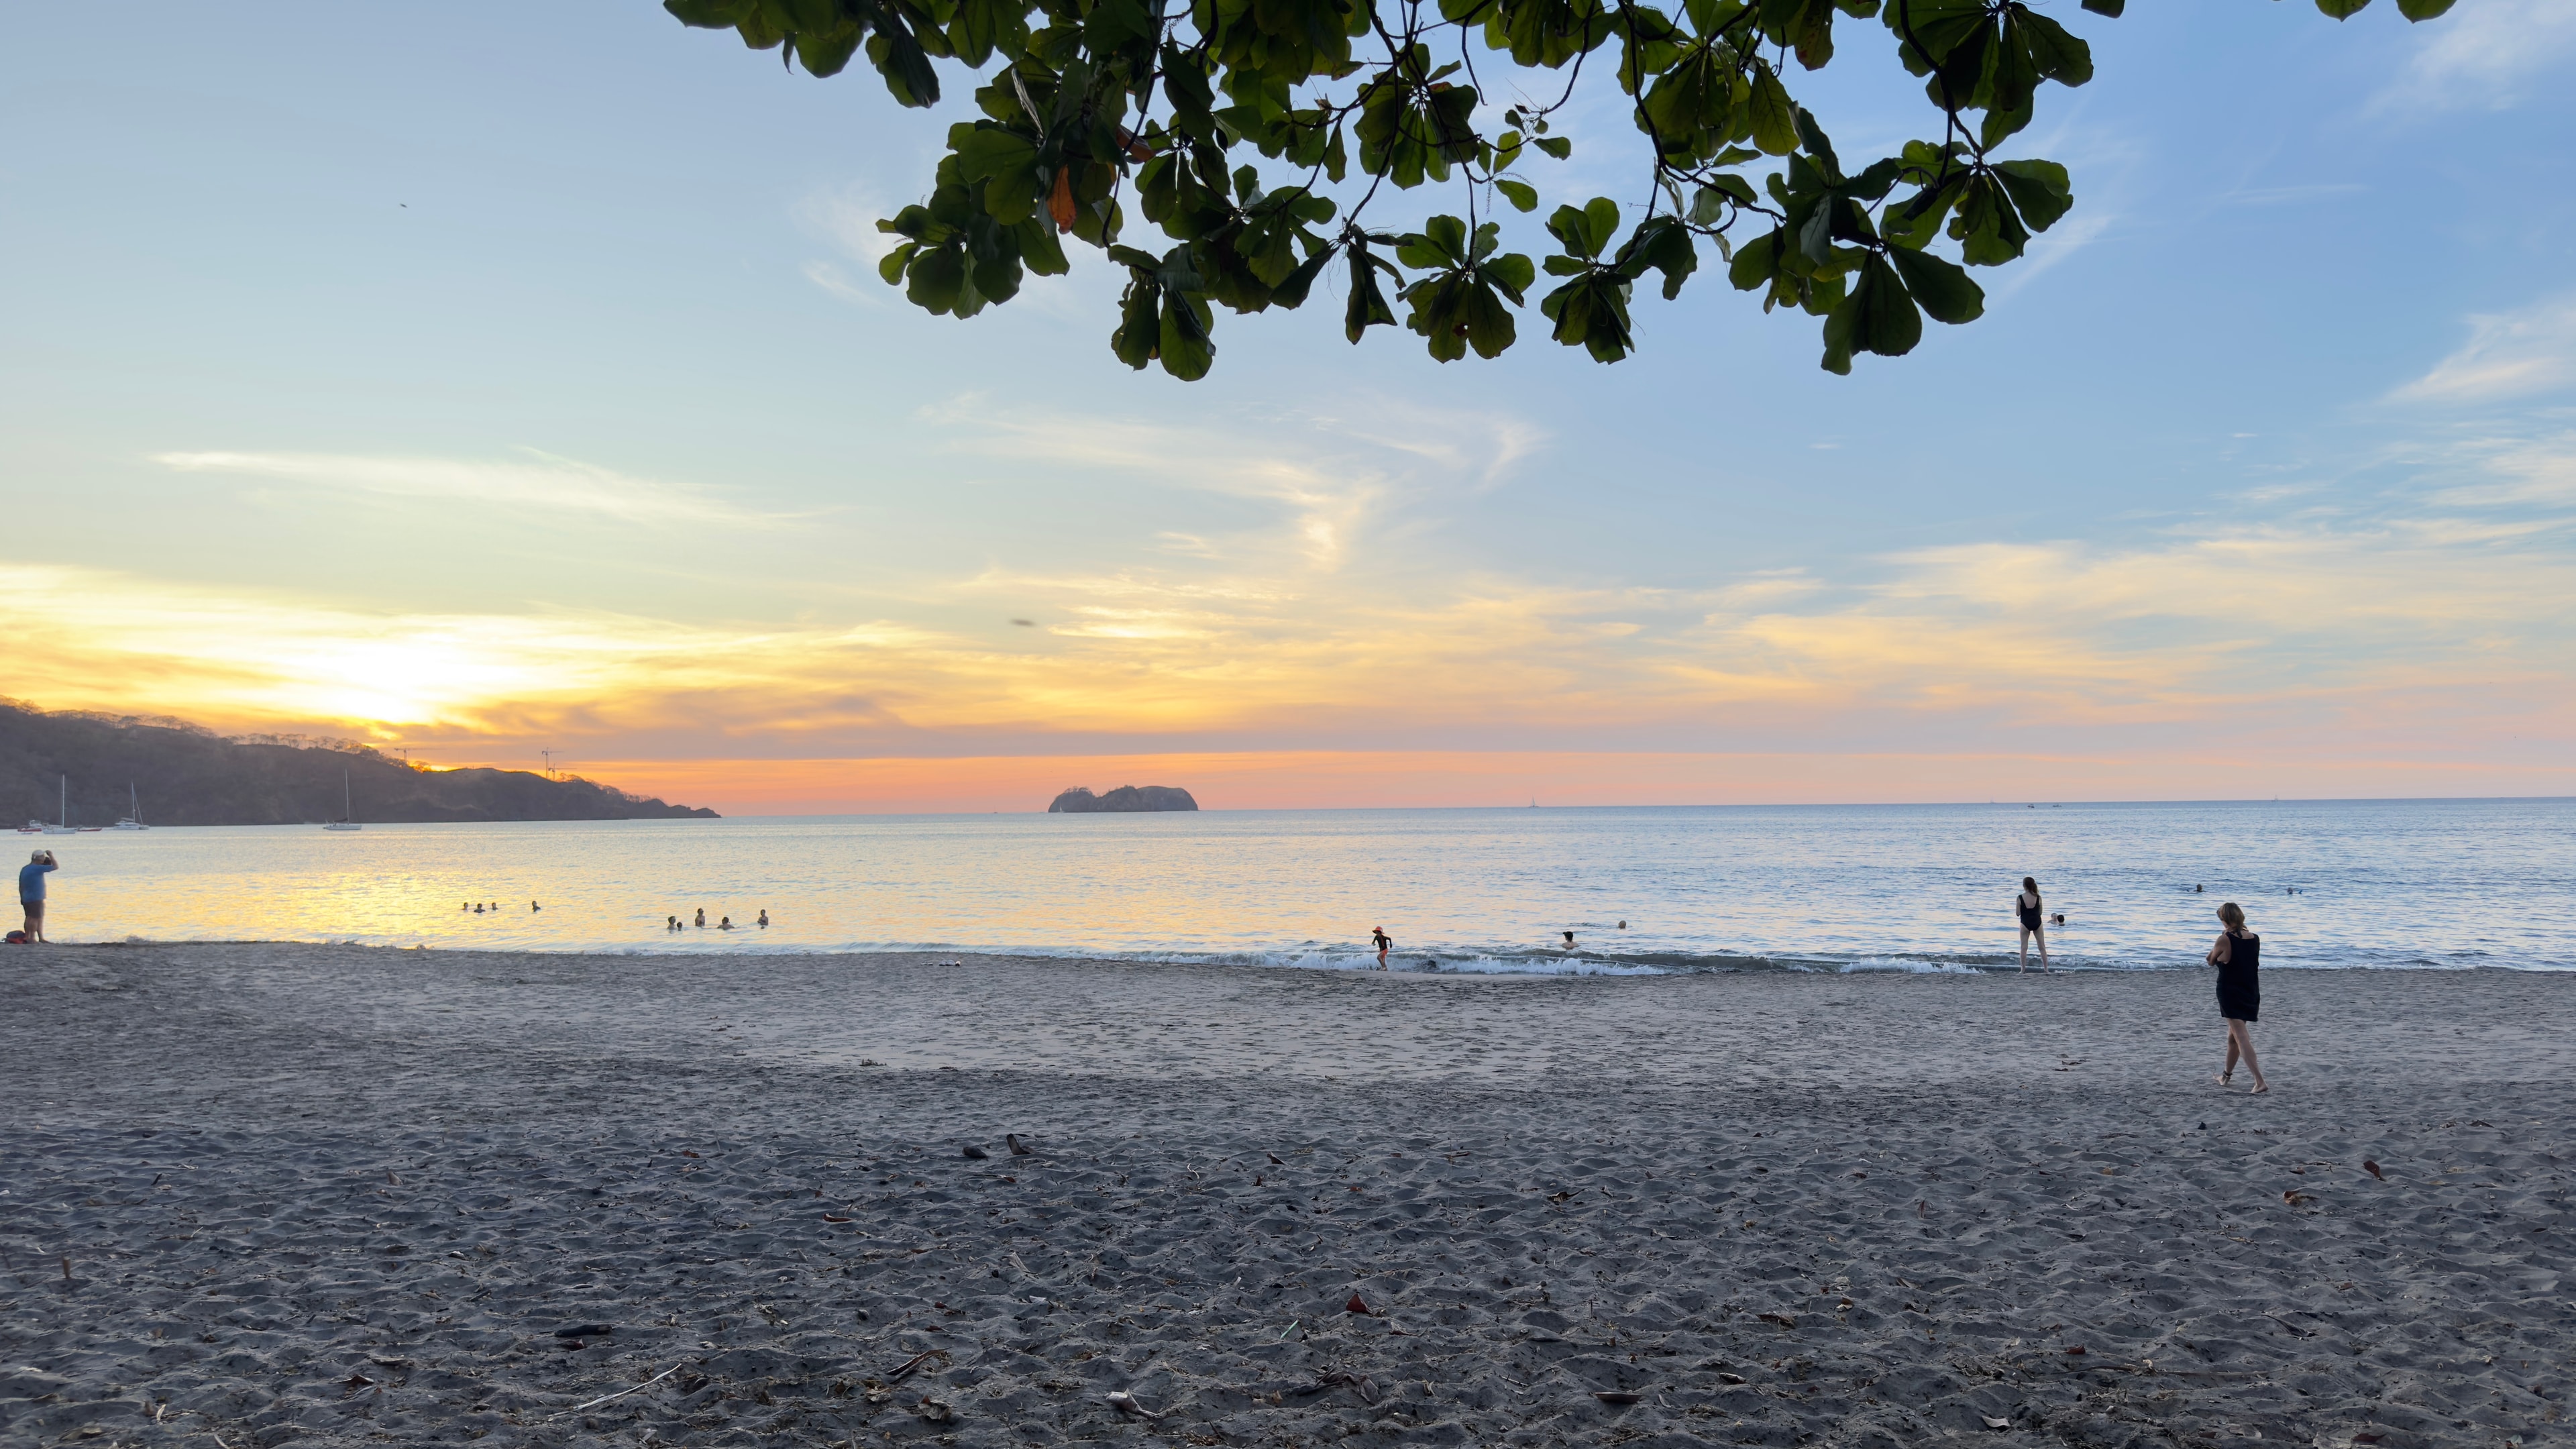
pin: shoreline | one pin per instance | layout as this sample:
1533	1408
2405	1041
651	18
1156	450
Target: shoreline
330	1195
1354	961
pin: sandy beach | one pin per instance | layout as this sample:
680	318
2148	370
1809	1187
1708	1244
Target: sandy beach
330	1195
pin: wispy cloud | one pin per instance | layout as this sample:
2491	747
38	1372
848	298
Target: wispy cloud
830	277
1329	477
2051	247
846	217
2510	355
543	481
2487	55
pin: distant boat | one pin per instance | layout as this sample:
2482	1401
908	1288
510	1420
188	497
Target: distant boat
63	807
346	820
134	808
32	827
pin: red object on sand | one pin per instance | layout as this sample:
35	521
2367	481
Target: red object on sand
1355	1305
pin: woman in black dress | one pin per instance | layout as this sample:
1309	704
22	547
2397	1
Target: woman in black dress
2239	957
2026	905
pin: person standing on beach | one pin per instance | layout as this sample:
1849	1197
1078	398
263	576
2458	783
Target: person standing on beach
31	892
1385	943
2032	924
2238	955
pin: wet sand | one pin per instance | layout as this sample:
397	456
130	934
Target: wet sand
329	1195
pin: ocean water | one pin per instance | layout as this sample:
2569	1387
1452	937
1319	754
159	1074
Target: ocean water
2465	883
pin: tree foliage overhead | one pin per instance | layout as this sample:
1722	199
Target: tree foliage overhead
1264	140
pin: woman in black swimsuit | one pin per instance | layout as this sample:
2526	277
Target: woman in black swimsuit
2032	924
2238	957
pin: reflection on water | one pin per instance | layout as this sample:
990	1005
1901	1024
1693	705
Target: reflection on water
1828	887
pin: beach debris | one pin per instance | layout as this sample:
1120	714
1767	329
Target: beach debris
935	1411
916	1361
1018	1148
2368	1438
382	1361
974	1153
1731	1379
355	1382
622	1393
1357	1305
67	1270
1125	1403
1994	1423
1617	1396
2076	1352
2294	1197
2373	1169
586	1330
1782	1319
688	1152
1360	1384
836	1218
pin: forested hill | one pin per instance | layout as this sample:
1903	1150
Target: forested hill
191	776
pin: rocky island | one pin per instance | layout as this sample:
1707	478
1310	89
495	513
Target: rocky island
1126	798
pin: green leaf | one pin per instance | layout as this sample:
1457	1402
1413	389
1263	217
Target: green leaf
1989	229
2111	8
1367	306
1005	162
2422	10
1943	287
1292	289
2341	9
1187	353
1774	116
709	14
1556	146
1521	195
1756	262
1877	316
2054	52
2039	188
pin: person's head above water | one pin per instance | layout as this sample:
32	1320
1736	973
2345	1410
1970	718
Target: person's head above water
2233	915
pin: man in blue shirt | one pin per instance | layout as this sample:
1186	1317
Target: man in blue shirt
31	892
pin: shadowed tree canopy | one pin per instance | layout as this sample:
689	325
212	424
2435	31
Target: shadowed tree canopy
1266	139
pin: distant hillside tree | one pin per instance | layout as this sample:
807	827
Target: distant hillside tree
187	775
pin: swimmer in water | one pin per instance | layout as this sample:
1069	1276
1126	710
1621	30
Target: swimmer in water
764	918
1569	940
1384	944
532	905
725	925
702	915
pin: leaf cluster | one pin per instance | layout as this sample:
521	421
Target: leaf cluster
1257	136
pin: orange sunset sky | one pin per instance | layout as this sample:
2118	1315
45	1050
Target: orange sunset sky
479	408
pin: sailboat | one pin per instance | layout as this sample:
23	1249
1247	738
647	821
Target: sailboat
134	811
63	808
346	820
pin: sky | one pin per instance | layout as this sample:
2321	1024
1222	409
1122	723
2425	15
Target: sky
491	380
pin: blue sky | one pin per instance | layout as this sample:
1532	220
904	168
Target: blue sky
487	379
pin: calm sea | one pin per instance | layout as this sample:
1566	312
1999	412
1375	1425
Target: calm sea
1828	888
